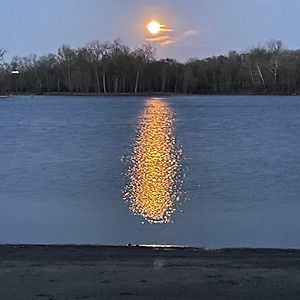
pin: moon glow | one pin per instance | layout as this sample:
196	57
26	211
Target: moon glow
154	27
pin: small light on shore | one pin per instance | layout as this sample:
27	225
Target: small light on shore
15	72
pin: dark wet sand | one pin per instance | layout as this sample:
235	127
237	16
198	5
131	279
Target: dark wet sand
98	272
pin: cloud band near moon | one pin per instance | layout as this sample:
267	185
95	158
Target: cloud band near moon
165	35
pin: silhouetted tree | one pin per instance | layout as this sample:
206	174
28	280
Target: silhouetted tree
112	67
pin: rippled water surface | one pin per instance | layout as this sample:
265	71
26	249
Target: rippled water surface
213	171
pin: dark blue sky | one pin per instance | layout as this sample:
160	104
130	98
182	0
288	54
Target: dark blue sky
200	27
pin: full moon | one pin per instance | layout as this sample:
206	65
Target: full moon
154	27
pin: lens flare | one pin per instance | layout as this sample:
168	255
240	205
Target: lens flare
153	187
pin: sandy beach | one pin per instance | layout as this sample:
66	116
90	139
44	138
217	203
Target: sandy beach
104	272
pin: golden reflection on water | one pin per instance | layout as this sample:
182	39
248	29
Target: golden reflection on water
153	186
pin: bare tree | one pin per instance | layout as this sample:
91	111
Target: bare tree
142	55
2	53
66	55
258	59
98	51
274	47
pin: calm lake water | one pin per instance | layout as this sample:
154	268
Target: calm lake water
64	170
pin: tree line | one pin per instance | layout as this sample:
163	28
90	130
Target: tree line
112	67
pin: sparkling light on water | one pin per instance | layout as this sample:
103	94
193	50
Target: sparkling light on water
153	187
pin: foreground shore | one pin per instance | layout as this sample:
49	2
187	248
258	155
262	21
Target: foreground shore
103	272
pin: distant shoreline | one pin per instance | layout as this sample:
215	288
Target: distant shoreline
120	272
140	94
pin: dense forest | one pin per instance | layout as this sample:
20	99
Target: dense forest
112	67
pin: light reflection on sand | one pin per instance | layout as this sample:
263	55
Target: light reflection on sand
153	187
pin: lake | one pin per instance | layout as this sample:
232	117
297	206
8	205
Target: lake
211	171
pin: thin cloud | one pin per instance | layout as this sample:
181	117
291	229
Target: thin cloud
168	42
183	44
168	39
190	32
163	40
163	29
160	38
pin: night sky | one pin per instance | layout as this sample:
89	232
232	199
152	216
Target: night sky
200	27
